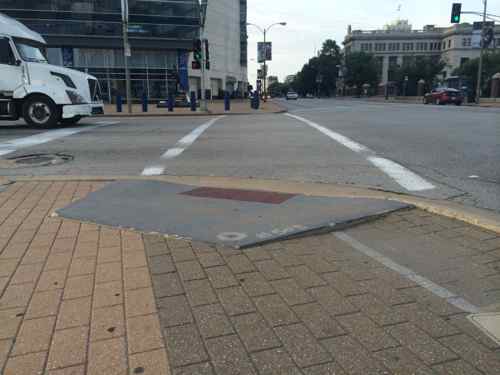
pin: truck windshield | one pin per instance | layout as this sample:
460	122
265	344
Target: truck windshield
31	51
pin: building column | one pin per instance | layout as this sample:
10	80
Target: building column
385	70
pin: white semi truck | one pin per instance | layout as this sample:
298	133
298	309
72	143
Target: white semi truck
42	94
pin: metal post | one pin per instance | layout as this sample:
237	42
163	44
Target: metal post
203	103
126	53
480	69
265	68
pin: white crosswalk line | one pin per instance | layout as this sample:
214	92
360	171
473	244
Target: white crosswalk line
181	146
48	136
403	176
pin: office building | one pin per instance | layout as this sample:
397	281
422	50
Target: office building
87	35
226	32
399	43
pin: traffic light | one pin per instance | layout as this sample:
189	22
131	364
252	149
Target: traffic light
197	55
456	11
207	55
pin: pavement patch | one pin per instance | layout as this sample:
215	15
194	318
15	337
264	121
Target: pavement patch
232	217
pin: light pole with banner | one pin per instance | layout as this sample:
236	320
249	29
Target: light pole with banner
264	50
127	52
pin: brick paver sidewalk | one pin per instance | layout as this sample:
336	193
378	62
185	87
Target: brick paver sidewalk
77	298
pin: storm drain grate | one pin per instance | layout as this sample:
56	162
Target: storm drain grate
240	195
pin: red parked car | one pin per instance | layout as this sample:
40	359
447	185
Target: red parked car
442	96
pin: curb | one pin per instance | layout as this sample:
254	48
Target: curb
281	110
476	216
194	114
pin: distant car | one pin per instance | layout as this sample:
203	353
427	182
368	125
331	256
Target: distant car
292	95
442	96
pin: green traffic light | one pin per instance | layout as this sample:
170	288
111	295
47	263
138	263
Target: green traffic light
457	18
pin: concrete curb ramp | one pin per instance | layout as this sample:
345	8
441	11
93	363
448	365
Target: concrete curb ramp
228	217
476	216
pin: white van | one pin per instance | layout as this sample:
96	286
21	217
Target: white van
31	88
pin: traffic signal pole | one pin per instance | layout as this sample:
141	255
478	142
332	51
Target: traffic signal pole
480	68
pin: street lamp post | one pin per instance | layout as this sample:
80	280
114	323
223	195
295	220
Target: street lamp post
126	53
481	55
264	31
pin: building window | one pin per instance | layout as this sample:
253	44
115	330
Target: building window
380	47
449	43
407	46
393	46
393	61
421	46
366	47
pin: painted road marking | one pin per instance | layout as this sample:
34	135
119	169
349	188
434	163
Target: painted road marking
51	135
347	142
434	288
403	176
179	148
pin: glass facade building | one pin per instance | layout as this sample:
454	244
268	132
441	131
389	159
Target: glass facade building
87	35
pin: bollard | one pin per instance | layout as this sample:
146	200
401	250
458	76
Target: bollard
227	102
119	103
144	103
193	101
170	103
257	101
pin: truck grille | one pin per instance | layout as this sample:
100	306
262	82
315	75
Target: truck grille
95	90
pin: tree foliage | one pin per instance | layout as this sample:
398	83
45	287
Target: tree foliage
361	68
421	67
322	67
276	89
491	66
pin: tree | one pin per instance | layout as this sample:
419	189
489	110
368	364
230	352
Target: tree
276	89
322	68
491	66
420	67
361	68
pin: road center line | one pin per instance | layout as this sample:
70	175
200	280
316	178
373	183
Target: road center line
434	288
403	176
48	136
179	148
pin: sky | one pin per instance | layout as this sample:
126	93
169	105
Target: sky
310	22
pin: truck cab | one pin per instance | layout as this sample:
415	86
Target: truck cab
42	94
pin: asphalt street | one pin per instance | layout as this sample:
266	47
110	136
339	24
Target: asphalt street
431	151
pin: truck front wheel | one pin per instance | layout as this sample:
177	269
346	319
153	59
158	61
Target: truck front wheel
41	111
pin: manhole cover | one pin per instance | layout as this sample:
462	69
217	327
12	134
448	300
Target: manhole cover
35	160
